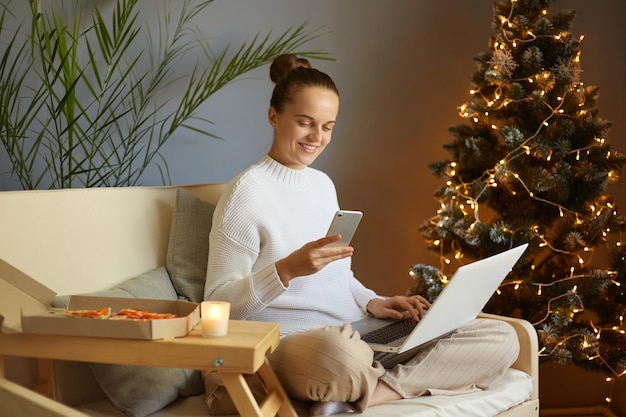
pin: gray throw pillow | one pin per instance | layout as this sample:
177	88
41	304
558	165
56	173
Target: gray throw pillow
155	284
188	248
140	390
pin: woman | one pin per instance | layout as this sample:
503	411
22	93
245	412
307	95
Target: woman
269	257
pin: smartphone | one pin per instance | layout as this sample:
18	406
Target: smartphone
344	223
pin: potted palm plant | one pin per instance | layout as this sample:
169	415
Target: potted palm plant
79	106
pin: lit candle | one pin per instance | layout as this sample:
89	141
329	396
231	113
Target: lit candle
214	318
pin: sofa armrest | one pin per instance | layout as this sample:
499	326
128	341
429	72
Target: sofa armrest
528	359
16	400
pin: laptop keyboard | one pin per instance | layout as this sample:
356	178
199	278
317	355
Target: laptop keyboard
390	332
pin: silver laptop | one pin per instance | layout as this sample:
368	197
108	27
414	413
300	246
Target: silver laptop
460	301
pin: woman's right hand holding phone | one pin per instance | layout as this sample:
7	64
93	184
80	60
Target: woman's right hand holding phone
311	258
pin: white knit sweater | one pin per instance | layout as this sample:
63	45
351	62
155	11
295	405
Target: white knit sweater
265	213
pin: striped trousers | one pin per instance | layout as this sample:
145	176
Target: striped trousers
334	364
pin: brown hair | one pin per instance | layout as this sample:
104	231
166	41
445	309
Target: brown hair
289	72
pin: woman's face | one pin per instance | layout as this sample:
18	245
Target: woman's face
304	127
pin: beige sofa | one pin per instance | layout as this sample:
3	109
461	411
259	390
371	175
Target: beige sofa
87	240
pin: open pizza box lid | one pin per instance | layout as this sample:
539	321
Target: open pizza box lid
26	306
20	294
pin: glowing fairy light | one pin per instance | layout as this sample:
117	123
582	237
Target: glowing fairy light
577	57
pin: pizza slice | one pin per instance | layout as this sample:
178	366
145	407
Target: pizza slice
132	314
103	313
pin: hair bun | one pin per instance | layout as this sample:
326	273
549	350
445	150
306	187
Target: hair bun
284	64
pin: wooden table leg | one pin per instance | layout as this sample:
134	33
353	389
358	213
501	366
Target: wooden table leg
46	384
273	385
275	402
241	395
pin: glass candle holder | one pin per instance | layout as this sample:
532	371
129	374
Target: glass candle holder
214	316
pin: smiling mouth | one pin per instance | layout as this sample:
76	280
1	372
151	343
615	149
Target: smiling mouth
308	148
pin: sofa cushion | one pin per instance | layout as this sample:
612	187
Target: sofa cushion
154	284
138	390
188	248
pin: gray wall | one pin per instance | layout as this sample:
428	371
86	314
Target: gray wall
403	68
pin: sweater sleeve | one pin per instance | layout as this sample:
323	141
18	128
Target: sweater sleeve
229	278
362	295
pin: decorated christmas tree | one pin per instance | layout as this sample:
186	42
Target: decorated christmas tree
531	163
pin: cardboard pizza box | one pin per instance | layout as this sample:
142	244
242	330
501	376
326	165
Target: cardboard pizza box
25	306
56	321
